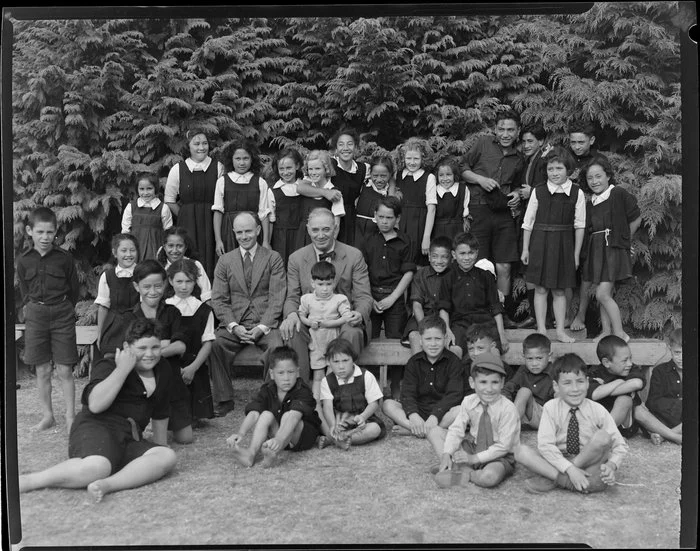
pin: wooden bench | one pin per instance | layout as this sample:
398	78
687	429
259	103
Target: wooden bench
85	335
385	352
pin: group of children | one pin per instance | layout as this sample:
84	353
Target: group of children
399	219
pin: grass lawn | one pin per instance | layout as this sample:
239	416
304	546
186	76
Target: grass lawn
379	493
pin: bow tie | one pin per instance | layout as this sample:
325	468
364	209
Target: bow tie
330	256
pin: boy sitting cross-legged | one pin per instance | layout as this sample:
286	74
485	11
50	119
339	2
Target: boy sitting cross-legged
531	386
578	445
432	386
662	414
493	434
282	415
615	382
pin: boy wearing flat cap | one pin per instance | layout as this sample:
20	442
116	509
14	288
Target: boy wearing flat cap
487	428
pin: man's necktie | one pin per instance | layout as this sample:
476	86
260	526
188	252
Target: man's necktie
247	269
572	440
484	434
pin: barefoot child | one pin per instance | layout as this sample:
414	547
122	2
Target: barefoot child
615	382
116	295
425	289
197	323
612	219
147	217
578	445
553	229
531	386
324	312
493	431
48	283
282	415
107	452
350	400
432	386
662	416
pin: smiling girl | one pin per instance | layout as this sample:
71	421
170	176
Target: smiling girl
176	246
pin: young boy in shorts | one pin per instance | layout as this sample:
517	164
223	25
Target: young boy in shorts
578	445
662	415
389	256
282	415
106	449
493	434
531	386
425	289
48	283
615	382
469	295
432	386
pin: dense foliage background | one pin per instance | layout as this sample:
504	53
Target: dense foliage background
96	101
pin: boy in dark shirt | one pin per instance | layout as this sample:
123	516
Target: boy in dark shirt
389	256
48	283
662	415
615	382
531	386
282	414
106	449
425	289
469	295
432	386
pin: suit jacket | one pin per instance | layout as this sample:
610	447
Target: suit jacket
351	278
230	296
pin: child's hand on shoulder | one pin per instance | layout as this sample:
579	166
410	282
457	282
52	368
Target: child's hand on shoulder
607	473
579	478
125	359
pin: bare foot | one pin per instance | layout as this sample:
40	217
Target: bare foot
577	324
562	336
342	442
271	458
624	336
601	336
398	430
45	423
244	456
656	438
325	441
97	490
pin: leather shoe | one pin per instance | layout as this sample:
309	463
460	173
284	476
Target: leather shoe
528	323
223	408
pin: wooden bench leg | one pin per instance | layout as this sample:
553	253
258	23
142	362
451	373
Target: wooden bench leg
382	376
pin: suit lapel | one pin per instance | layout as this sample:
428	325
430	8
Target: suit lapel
237	268
259	262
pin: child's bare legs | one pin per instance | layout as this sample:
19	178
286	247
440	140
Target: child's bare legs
436	436
394	411
265	424
650	422
559	308
371	431
289	431
604	294
541	309
43	383
579	321
395	376
488	477
152	465
522	400
65	374
621	409
72	473
183	436
414	341
531	458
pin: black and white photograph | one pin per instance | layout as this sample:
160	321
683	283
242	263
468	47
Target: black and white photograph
350	275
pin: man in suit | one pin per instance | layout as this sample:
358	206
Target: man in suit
352	280
247	297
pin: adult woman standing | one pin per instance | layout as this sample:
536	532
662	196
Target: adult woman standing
193	182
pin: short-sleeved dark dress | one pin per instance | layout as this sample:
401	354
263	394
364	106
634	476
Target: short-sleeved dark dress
122	299
449	219
237	198
147	227
287	223
350	184
552	263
